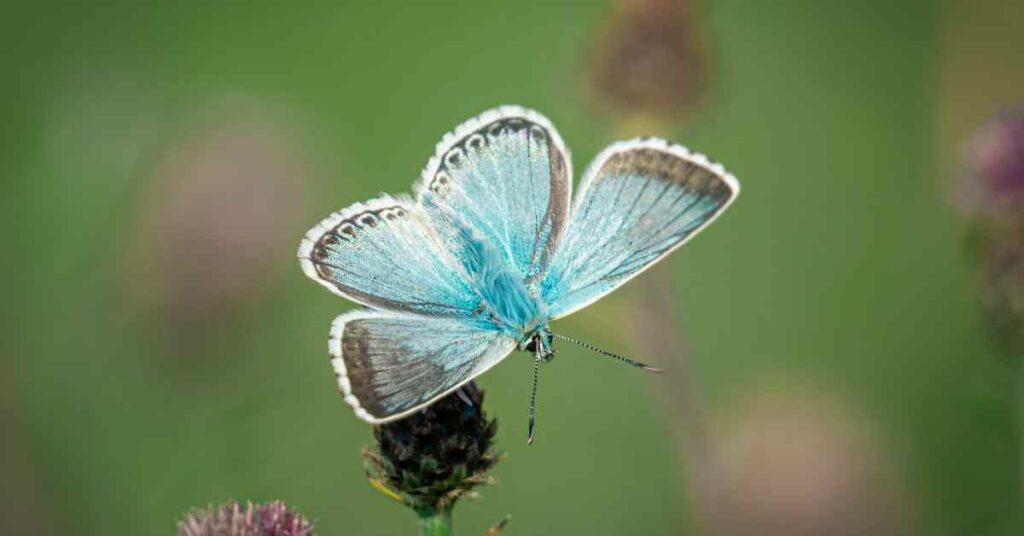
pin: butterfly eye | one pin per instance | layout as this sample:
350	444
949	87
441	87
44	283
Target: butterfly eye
454	157
476	141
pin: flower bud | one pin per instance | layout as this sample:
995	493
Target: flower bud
438	455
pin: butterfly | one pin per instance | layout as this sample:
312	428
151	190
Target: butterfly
489	251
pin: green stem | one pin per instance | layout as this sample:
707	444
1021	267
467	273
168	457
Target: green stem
1019	402
438	523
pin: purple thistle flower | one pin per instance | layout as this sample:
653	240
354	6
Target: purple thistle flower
264	519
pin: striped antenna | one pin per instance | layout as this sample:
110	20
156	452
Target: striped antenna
624	359
538	354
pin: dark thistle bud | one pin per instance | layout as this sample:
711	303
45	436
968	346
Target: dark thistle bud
649	61
432	458
650	70
232	519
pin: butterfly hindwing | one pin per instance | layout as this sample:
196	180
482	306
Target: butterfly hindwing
390	365
385	253
506	174
637	202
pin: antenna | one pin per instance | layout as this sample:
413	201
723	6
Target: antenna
533	393
624	359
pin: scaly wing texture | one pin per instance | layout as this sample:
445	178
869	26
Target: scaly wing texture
638	201
390	365
505	174
385	253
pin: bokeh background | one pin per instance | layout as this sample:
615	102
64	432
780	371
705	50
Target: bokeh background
833	363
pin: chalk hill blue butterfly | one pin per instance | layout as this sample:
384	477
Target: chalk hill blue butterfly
489	251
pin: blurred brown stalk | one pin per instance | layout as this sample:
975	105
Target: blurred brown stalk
649	73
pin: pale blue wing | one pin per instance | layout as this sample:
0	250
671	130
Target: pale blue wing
505	174
391	365
638	201
385	253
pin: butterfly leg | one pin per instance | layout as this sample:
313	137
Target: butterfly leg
465	398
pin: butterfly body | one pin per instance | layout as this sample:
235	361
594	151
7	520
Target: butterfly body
491	251
505	298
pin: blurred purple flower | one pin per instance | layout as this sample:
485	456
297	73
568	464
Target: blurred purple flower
795	463
265	519
994	181
992	193
218	219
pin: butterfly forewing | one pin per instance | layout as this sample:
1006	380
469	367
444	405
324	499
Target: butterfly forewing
638	201
389	365
386	254
506	175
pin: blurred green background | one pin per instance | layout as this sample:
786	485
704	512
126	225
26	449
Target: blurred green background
162	349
